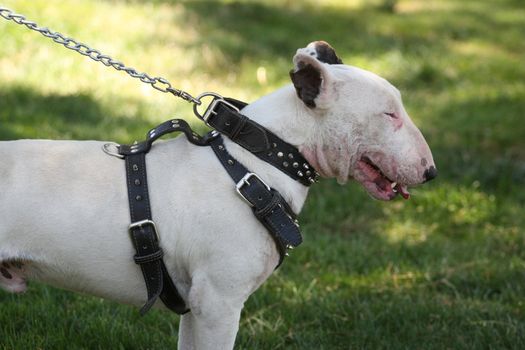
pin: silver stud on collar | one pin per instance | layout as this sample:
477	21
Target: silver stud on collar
290	155
280	154
285	164
300	173
295	164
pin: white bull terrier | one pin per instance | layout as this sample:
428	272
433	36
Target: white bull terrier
64	206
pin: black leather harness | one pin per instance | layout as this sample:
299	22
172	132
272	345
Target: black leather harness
267	204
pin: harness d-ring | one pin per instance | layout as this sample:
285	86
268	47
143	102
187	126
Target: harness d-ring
210	110
114	153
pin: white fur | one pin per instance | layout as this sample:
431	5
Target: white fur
64	209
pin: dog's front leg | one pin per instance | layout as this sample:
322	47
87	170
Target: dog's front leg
214	318
198	332
186	332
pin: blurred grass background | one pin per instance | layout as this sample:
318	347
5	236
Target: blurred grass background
443	270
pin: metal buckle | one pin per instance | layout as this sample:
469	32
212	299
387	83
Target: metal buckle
244	181
141	224
210	110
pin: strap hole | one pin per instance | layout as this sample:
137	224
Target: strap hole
259	198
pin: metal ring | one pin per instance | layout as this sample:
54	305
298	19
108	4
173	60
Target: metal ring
200	97
105	148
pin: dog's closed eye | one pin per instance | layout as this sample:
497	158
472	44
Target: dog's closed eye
392	115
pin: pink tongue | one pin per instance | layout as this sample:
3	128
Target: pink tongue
403	190
382	183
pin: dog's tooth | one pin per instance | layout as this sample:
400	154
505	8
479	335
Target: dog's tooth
394	184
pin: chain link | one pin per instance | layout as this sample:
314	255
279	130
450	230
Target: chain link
158	83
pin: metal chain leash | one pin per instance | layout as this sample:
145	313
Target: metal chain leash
157	83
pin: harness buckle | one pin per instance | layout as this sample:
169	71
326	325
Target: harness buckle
210	110
141	224
244	181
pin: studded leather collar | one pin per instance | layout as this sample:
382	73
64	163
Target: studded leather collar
227	120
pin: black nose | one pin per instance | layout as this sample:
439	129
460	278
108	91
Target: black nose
430	173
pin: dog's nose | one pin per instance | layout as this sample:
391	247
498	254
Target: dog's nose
430	173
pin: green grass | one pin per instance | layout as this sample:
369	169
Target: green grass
445	270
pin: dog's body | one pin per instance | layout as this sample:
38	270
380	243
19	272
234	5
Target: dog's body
64	207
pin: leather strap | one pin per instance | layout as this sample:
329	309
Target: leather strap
172	125
226	119
267	204
143	232
144	237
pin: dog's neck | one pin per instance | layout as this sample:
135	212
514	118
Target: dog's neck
288	117
282	113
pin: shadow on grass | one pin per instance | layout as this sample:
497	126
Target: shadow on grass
25	113
486	125
262	31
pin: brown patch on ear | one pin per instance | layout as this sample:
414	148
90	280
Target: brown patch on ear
307	81
326	53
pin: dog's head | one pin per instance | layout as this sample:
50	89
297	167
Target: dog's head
360	127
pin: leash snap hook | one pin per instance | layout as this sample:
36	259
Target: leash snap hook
216	99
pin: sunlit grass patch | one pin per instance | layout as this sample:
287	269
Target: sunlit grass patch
448	205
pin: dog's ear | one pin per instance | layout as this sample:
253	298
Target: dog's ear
311	77
323	52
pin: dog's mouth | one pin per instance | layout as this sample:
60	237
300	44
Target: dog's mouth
377	183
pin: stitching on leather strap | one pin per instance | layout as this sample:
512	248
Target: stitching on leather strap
235	132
